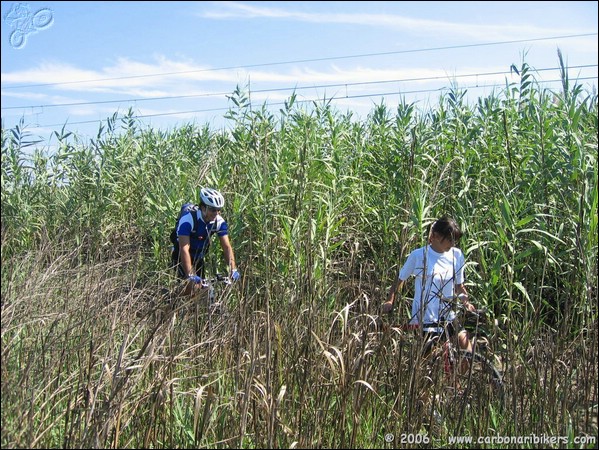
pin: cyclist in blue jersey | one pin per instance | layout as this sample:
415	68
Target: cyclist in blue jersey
194	243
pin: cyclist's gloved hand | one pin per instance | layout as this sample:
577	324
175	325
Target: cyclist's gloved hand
195	278
235	275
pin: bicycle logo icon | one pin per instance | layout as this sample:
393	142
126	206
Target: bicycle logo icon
25	23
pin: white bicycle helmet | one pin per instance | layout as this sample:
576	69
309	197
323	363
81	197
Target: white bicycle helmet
212	197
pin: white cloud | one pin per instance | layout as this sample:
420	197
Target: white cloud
167	77
485	32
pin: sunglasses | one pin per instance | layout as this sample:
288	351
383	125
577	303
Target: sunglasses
212	209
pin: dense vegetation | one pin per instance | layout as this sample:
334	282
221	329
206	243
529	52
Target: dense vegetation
323	209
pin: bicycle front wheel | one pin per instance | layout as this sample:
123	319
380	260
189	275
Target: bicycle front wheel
477	380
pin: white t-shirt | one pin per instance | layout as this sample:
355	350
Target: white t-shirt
443	271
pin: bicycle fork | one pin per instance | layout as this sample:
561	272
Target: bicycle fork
448	359
211	296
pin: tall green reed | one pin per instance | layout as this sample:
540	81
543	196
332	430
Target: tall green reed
323	211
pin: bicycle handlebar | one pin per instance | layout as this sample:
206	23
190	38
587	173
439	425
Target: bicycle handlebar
453	298
455	303
218	278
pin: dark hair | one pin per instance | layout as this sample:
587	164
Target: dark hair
448	228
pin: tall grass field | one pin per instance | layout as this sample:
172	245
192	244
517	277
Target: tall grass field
98	351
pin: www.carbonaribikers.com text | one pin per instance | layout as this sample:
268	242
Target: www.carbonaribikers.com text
542	439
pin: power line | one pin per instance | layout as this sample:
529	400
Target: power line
364	55
296	88
333	98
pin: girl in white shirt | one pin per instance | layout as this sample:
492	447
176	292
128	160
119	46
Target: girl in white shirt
439	272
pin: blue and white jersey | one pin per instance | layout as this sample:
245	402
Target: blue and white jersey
200	238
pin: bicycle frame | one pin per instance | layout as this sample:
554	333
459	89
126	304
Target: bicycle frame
464	370
209	284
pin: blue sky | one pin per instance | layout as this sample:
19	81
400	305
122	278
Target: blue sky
74	64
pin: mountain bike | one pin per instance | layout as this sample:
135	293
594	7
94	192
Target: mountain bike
206	299
206	306
215	306
462	379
